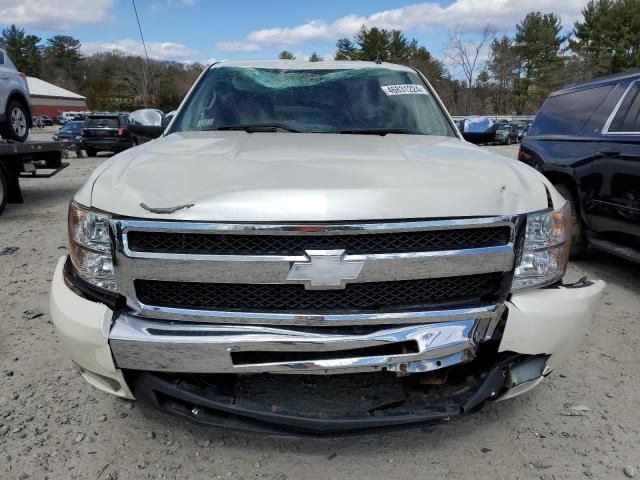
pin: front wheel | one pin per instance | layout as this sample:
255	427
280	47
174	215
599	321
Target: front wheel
16	126
579	238
91	152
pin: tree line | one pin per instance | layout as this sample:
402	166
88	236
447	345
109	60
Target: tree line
501	74
479	72
110	80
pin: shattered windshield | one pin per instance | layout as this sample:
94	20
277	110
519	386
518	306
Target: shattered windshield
376	100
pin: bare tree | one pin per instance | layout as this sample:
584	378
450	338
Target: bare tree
467	50
142	79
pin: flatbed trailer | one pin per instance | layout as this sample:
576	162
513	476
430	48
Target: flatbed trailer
26	160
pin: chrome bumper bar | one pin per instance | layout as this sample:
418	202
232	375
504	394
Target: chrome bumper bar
153	345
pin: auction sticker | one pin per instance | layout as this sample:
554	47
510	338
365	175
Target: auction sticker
404	89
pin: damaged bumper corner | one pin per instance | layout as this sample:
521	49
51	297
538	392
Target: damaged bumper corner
550	321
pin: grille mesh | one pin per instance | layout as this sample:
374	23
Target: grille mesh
371	297
398	242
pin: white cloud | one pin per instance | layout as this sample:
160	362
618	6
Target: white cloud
157	50
54	14
502	14
238	46
160	6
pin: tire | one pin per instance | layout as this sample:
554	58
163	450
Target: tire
17	122
91	152
579	237
4	190
507	141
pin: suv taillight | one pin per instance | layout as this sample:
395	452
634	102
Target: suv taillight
122	131
24	77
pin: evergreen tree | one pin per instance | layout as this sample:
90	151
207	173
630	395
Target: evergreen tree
286	55
538	43
373	43
13	42
503	68
608	38
346	50
32	55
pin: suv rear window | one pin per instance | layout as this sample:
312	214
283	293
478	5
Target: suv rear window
567	114
627	118
101	122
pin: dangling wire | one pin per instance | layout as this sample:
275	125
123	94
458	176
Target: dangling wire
144	45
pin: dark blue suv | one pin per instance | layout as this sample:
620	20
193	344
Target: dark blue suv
586	140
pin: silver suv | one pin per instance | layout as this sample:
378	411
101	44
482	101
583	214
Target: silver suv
15	108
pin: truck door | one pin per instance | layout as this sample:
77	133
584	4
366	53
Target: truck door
615	204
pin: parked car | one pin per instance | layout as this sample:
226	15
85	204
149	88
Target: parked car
65	117
15	106
105	132
506	133
71	135
295	220
586	140
522	129
42	121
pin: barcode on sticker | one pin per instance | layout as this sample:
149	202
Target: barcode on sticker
404	89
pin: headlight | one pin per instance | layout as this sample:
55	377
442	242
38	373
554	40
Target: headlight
546	249
90	247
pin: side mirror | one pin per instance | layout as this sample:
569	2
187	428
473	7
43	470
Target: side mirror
146	124
478	130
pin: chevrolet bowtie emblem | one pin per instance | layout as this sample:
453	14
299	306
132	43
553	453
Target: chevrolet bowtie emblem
326	269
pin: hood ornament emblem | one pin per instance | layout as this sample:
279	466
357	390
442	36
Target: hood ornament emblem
326	269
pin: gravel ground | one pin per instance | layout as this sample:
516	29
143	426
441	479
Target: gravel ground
53	425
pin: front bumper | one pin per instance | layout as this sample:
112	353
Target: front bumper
106	144
545	323
150	345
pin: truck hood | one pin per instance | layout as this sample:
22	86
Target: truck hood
258	177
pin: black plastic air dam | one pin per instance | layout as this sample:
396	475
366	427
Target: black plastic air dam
379	400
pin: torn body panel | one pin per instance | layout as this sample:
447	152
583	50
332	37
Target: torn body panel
550	321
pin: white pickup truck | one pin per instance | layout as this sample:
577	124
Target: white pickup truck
313	248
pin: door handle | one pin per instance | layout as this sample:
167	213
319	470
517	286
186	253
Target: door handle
4	76
610	152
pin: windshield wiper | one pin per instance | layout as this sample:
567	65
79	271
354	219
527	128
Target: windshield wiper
377	131
259	127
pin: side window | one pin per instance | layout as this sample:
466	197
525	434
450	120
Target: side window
627	118
1	58
567	113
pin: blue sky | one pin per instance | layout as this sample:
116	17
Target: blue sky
202	30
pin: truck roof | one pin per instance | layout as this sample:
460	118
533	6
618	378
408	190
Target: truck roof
303	65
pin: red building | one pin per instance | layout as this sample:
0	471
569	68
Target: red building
48	99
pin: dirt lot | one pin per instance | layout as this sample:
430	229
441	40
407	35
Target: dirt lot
53	425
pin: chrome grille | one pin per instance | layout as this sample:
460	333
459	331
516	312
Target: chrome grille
413	271
398	242
357	297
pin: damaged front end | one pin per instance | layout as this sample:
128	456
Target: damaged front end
321	329
333	404
286	393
